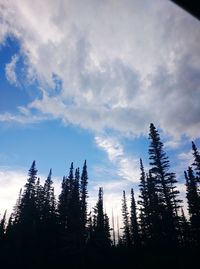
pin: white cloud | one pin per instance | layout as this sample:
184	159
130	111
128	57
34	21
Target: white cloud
123	64
10	70
11	181
126	166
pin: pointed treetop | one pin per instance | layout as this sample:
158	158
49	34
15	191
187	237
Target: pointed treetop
50	174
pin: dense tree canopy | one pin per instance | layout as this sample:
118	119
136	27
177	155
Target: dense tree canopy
63	228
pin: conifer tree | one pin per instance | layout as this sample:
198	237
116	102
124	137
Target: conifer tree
196	163
134	229
155	210
63	204
49	199
49	217
28	207
125	215
16	210
184	230
83	200
165	182
144	205
101	227
193	199
39	205
2	229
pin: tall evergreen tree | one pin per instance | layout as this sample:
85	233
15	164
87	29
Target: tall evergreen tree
83	200
101	234
165	182
155	212
2	229
144	205
134	228
49	199
28	206
193	199
63	204
196	163
126	227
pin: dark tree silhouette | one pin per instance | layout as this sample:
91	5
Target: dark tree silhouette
126	228
165	184
101	229
134	228
193	199
144	206
196	163
83	201
43	232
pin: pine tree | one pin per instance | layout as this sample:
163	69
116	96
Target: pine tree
28	207
63	204
126	228
144	205
2	229
39	205
193	199
184	230
83	200
101	227
165	183
134	229
49	217
49	198
155	210
74	208
196	163
16	210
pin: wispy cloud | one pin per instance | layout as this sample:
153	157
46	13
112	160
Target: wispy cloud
11	70
126	166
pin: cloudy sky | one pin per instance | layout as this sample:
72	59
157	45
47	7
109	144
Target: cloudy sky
84	79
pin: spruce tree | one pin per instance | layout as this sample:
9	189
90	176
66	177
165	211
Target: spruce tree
28	207
144	205
193	200
2	229
63	204
165	183
196	163
49	200
155	212
83	200
101	227
126	227
134	228
49	216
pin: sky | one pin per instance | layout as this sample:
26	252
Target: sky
84	80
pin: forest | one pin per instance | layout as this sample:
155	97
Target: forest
43	231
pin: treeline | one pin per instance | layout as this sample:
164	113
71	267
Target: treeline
43	230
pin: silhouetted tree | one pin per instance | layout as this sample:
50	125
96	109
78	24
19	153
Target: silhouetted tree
193	199
101	228
2	229
165	183
196	163
63	202
144	205
126	227
155	212
28	208
184	230
134	229
83	201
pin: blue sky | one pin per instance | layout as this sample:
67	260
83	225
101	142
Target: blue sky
84	79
